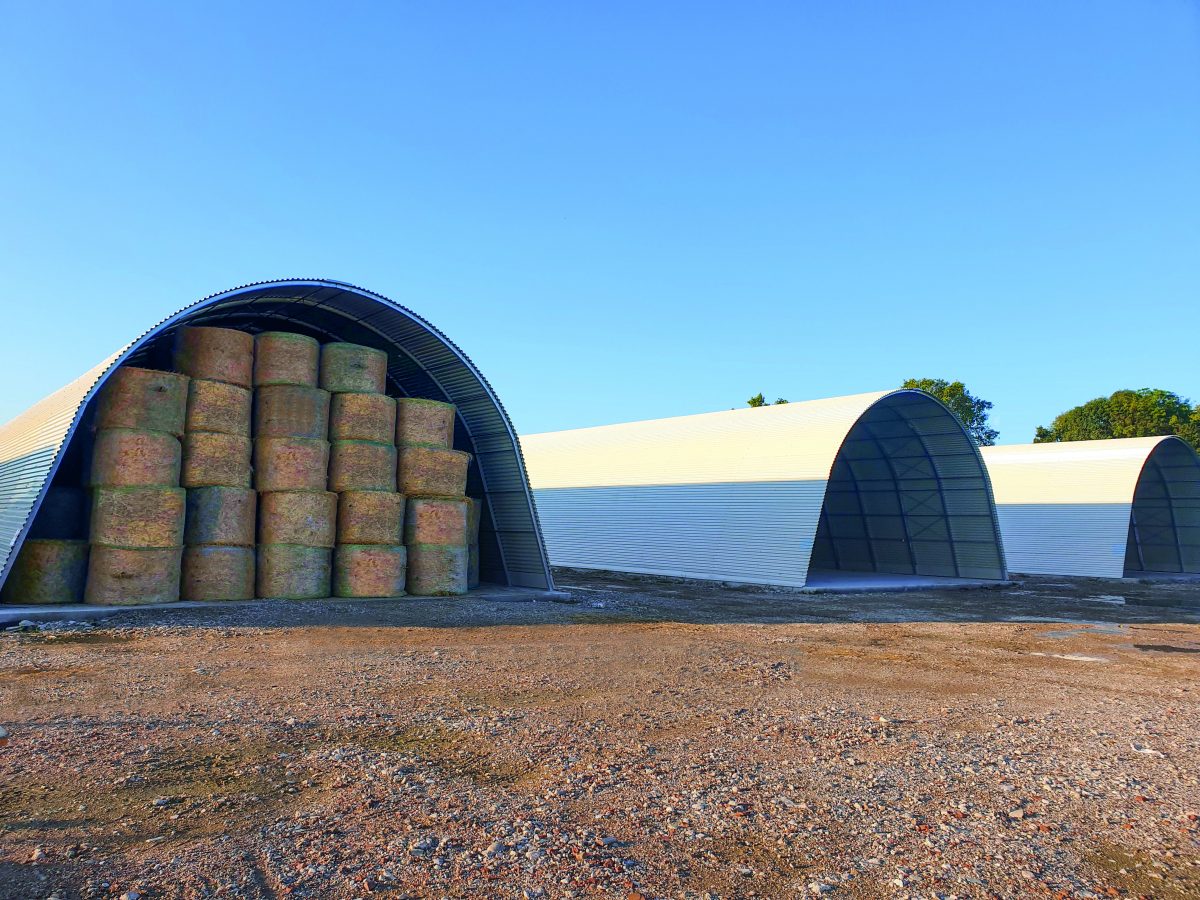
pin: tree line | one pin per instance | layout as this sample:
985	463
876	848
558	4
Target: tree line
1146	412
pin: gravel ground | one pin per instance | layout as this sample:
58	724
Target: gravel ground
649	739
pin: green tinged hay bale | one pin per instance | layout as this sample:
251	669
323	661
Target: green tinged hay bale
363	417
281	357
303	518
218	406
427	422
223	516
290	464
291	410
431	471
215	354
436	520
362	466
143	399
123	457
141	518
370	517
436	570
353	369
287	572
211	459
369	570
217	573
118	576
63	515
47	571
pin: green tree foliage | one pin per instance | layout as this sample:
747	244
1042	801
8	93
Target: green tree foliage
1142	413
759	400
972	411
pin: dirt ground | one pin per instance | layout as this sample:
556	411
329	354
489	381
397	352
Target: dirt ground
647	739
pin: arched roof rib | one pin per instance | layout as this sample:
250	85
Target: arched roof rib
738	495
422	362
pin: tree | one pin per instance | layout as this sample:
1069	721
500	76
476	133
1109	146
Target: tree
1143	413
759	400
971	411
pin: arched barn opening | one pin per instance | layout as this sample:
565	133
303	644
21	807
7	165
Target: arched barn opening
872	491
1164	525
50	445
908	500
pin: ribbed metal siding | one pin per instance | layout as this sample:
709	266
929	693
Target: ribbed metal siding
737	495
422	362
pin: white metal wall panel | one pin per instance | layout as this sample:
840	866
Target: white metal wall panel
1064	507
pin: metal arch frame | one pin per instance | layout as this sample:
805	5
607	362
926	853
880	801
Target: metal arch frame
316	285
883	402
1152	463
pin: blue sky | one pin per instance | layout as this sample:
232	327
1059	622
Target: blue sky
626	210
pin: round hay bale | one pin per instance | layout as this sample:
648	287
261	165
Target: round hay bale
215	354
123	457
353	369
282	357
218	406
140	518
428	422
435	570
436	520
118	576
63	515
362	466
145	399
432	471
363	417
370	517
290	464
211	459
47	571
287	572
217	573
223	516
304	518
369	570
291	410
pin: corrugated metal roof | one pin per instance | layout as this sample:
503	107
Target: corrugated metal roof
422	362
1065	508
738	495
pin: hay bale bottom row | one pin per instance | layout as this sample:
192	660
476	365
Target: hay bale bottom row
369	570
217	573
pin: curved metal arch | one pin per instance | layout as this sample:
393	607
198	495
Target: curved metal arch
888	402
1187	555
422	361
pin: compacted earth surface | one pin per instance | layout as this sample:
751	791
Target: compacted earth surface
645	739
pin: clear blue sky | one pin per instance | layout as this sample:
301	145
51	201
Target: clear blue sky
626	210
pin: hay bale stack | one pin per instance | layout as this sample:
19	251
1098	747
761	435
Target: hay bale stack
281	357
290	464
218	555
215	354
428	423
362	466
212	459
219	407
370	517
431	471
137	507
289	572
369	570
47	570
213	572
436	533
363	417
291	410
353	369
303	518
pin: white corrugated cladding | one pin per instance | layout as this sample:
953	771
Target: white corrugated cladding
731	496
1064	508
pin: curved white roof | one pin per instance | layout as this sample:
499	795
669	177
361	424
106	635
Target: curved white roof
740	495
1065	508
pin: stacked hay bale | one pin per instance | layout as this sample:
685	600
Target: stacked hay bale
52	564
434	478
370	559
218	555
297	514
137	505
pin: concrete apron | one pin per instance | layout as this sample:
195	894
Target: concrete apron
12	614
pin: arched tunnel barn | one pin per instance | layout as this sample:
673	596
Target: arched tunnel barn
47	445
1110	509
874	490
